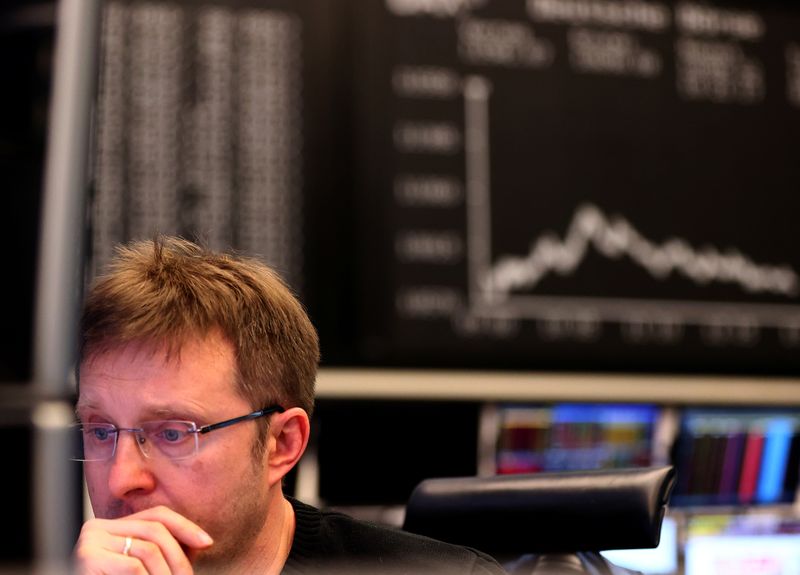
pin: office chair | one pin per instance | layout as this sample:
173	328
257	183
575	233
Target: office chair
546	523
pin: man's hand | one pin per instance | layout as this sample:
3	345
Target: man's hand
160	542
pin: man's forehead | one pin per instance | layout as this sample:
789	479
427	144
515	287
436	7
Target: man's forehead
155	395
203	361
213	345
106	352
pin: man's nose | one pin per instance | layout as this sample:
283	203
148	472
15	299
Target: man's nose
130	470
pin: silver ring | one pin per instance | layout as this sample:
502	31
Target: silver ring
128	545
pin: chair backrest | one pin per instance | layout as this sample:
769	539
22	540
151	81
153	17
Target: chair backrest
545	515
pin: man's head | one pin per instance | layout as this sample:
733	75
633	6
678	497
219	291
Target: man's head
176	333
165	292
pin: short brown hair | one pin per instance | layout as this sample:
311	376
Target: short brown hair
169	290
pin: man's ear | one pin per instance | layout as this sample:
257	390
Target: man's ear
288	437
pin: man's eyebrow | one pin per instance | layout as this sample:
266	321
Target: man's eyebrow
153	412
83	405
164	412
181	412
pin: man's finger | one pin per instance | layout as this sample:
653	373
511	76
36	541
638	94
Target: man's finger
91	561
151	541
153	558
184	530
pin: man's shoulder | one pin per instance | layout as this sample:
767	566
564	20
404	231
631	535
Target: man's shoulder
339	538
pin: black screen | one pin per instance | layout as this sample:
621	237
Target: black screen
578	184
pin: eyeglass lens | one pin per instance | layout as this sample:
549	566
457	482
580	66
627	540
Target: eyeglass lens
98	441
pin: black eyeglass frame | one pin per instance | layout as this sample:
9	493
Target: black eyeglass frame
228	422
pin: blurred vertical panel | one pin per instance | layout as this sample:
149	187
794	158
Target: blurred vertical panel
59	282
26	40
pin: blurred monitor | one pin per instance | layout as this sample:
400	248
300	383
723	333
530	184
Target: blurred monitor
575	436
663	560
757	544
737	457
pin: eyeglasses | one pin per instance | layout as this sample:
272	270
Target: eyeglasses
174	439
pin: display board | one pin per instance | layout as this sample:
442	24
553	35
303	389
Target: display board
584	184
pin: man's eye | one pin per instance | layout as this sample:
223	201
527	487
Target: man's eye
171	434
97	433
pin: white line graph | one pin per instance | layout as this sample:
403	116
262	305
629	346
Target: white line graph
615	237
505	287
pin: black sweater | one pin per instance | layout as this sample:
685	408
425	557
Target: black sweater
329	542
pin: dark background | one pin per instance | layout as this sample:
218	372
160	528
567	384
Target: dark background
721	174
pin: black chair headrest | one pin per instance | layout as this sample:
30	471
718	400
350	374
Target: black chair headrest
545	512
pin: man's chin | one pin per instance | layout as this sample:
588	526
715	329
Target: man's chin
206	561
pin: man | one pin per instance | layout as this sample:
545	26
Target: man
196	384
